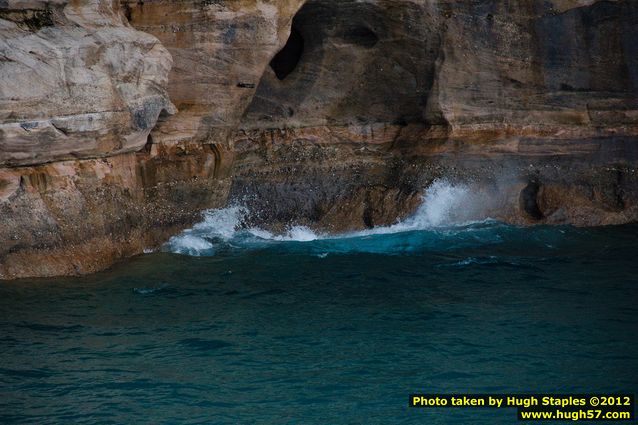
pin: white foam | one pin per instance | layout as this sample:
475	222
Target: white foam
295	233
222	223
443	204
189	244
300	234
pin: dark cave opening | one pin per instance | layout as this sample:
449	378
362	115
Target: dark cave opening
361	36
288	58
529	201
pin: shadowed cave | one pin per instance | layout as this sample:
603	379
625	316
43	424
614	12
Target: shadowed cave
352	63
287	59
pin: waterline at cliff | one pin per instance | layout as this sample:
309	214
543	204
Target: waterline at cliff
443	204
120	121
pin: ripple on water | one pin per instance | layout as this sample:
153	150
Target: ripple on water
204	345
150	290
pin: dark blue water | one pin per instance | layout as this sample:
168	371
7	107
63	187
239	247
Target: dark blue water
327	331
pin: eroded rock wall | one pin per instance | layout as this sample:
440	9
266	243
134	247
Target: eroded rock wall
540	65
220	51
81	183
121	120
76	81
508	95
81	216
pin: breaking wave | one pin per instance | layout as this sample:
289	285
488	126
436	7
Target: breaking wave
450	214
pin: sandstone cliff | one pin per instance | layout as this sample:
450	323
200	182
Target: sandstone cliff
120	121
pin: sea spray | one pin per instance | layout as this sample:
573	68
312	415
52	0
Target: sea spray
217	224
444	204
295	233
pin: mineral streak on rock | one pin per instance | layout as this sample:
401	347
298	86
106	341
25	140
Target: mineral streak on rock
121	120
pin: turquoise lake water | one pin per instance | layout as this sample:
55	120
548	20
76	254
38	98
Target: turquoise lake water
247	327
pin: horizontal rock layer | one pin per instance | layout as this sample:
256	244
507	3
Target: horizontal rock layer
120	121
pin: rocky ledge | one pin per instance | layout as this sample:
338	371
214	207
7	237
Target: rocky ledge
120	121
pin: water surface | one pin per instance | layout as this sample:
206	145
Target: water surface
283	331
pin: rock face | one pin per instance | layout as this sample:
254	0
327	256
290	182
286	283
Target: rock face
120	121
76	82
220	50
397	93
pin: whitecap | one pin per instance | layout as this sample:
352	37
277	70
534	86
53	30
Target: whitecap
149	291
444	205
189	244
